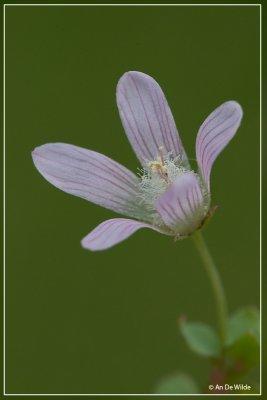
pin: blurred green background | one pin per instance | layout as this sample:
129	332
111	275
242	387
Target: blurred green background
82	322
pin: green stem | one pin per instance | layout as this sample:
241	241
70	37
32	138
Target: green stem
215	281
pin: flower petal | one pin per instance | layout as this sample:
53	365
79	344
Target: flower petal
214	134
182	205
147	118
89	175
111	232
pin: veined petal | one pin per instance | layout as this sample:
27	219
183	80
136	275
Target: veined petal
147	118
89	175
182	205
111	232
214	134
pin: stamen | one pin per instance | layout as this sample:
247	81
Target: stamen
161	155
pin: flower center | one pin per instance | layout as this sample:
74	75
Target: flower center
156	176
159	167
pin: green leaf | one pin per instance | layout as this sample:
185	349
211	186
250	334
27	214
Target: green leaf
177	383
201	338
246	320
244	354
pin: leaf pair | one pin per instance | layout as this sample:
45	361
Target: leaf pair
238	356
243	330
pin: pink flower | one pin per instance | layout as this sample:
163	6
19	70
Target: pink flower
167	196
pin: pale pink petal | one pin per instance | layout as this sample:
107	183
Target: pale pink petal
214	134
89	175
111	232
182	205
147	118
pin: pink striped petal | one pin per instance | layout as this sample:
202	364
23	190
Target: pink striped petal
214	134
182	205
147	118
111	232
89	175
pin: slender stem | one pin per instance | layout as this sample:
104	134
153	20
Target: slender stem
215	282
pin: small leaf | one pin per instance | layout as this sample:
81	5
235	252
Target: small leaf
244	354
246	320
201	338
177	383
